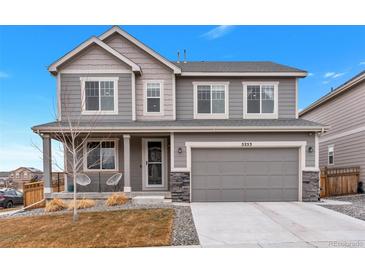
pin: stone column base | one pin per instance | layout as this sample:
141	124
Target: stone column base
180	186
310	189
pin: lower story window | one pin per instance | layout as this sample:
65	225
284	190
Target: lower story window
101	155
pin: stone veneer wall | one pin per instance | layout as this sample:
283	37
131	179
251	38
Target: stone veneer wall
180	186
310	186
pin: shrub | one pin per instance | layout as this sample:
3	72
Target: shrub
117	199
55	205
80	204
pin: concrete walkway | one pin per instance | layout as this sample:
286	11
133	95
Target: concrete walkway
283	224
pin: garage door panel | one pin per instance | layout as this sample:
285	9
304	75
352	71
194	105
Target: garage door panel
234	175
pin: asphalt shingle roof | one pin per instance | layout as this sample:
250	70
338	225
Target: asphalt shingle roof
235	66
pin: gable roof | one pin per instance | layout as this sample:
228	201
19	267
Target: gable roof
334	93
239	68
92	41
117	29
31	169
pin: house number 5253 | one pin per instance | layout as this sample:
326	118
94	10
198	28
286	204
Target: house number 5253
246	144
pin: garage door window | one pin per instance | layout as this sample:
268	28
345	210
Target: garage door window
211	100
260	100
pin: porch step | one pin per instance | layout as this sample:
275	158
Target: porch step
148	199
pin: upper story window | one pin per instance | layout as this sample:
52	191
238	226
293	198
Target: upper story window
153	97
211	100
100	155
260	100
17	176
99	95
331	154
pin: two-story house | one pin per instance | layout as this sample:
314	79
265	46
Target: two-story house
192	131
342	109
23	175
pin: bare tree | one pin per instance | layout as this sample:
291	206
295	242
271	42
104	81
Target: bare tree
73	132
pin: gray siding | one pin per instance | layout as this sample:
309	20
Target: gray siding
152	69
71	98
181	138
343	113
94	58
349	151
185	99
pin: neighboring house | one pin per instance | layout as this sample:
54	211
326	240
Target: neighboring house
4	178
343	110
23	175
192	131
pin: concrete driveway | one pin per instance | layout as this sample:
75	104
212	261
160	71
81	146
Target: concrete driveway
286	224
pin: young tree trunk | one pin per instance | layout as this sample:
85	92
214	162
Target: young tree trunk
75	214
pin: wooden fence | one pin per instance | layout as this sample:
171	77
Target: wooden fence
33	192
339	181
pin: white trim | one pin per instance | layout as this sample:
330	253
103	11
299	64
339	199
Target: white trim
93	40
294	74
333	155
173	97
59	106
115	97
162	101
342	134
316	150
133	79
129	37
301	145
116	158
172	150
145	185
65	167
296	99
273	115
94	71
333	94
181	129
211	115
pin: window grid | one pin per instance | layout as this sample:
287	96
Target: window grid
153	96
211	93
102	90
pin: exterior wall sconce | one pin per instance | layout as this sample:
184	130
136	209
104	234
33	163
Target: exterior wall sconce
179	150
310	149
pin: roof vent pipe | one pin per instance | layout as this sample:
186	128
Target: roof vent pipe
178	56
184	55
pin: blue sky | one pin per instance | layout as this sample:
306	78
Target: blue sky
331	54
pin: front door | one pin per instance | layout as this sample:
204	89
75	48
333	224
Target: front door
154	164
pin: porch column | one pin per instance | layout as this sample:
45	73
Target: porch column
47	164
126	149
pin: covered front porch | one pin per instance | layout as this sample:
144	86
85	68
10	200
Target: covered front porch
142	159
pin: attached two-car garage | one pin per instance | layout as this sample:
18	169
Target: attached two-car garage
244	174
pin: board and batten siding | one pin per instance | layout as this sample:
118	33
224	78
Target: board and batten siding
94	58
185	96
181	138
152	69
71	97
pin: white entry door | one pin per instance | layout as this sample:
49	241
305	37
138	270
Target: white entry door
154	164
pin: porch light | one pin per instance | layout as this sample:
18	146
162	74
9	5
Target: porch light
179	150
310	149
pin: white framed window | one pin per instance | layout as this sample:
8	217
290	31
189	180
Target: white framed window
101	155
260	100
17	176
99	95
25	175
153	102
211	100
331	155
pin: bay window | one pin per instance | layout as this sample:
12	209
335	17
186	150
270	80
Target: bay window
210	100
260	100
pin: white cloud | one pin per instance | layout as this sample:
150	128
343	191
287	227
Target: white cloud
362	63
3	74
218	32
338	75
310	74
329	74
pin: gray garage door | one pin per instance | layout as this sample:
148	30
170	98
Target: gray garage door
244	175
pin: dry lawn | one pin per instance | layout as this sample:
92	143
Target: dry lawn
117	199
124	228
